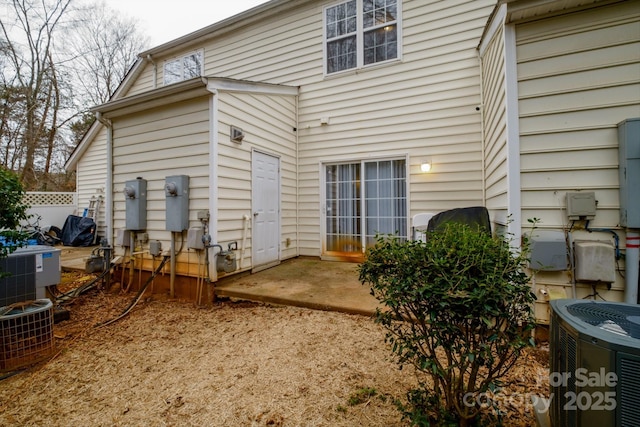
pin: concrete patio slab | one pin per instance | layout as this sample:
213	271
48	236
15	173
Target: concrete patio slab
303	281
306	282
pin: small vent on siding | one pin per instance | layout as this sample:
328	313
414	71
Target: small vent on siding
237	135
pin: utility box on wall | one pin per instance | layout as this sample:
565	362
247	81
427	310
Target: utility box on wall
176	191
629	172
548	251
595	261
581	205
135	193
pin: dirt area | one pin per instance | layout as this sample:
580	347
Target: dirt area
233	364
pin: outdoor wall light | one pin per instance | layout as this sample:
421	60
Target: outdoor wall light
425	166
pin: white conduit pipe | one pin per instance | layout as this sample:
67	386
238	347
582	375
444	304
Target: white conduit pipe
246	219
172	276
631	266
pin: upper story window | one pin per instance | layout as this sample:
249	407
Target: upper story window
183	68
360	33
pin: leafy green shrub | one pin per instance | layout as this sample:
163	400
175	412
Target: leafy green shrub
12	211
459	308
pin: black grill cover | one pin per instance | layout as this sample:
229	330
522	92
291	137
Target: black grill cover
78	231
473	216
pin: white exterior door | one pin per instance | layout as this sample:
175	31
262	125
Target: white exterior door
266	210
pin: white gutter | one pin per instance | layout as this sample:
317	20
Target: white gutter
480	109
297	136
213	176
514	202
154	98
108	203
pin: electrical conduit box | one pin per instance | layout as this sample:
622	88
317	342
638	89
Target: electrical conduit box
629	172
135	193
123	238
194	238
176	191
548	251
581	205
595	261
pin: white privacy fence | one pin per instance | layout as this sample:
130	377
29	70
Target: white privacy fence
53	207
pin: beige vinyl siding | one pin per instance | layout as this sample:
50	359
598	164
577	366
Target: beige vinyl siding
579	75
268	122
146	80
422	105
286	49
154	144
91	173
495	127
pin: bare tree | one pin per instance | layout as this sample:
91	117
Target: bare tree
47	87
29	63
106	45
11	121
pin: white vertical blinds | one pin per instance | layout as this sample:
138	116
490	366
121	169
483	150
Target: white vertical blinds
383	210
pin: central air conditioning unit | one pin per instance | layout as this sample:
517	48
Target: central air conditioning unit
27	334
30	270
595	364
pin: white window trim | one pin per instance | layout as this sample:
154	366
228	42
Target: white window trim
359	40
181	59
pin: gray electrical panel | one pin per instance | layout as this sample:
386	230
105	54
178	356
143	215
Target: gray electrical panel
629	171
135	193
176	191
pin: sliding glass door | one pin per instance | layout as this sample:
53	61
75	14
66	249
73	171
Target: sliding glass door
364	199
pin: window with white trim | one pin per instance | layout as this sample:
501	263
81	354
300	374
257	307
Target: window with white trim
361	32
183	68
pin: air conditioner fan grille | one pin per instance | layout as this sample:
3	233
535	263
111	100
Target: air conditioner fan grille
629	375
614	318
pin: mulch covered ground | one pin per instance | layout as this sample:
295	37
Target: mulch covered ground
233	364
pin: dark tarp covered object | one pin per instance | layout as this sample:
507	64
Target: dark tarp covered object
78	231
473	216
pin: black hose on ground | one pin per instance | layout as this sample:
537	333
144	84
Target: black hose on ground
138	295
74	293
10	374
